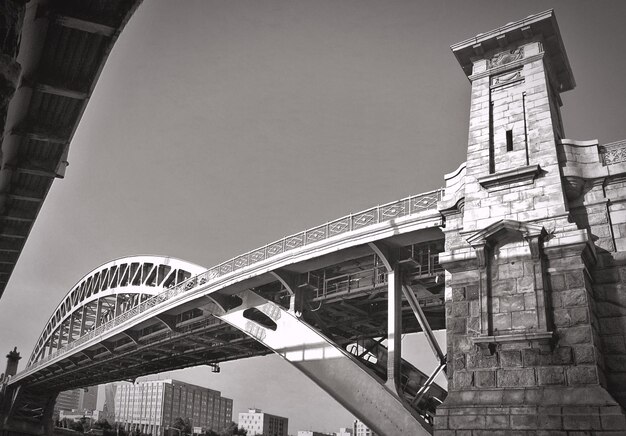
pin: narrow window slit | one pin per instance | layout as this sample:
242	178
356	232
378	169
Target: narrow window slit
509	140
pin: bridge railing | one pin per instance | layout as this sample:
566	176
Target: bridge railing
614	153
375	215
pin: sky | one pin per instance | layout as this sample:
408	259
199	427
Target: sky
219	126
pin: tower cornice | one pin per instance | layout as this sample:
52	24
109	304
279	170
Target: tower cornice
542	26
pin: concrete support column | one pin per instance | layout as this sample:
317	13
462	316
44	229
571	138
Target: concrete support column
394	329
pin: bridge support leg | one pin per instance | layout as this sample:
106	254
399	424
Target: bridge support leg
26	412
336	371
394	330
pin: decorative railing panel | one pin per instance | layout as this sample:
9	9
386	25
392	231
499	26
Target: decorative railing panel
614	153
375	215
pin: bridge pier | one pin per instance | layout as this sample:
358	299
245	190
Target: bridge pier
15	419
524	339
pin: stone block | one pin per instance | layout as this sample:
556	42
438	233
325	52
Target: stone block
503	287
574	279
523	410
557	281
530	301
522	422
513	396
479	360
584	354
526	319
474	306
613	422
458	294
502	321
581	422
485	379
551	375
562	356
471	292
561	318
526	284
533	396
549	421
497	421
462	379
458	362
579	315
510	358
515	378
490	396
511	303
473	324
441	421
457	325
574	297
498	411
466	422
582	375
460	309
510	271
575	335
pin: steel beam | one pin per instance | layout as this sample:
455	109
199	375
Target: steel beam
421	318
39	135
328	365
61	91
84	25
394	316
168	320
22	197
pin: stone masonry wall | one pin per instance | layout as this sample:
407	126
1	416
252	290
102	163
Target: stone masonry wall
536	316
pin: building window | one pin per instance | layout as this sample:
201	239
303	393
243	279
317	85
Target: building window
509	140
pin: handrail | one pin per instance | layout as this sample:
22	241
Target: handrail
375	215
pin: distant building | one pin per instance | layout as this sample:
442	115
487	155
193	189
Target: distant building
152	406
79	400
312	433
360	429
108	407
76	416
256	422
345	431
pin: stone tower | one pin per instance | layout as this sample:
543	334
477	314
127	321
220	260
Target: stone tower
524	346
13	359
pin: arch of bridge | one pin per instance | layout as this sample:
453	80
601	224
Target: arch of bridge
127	280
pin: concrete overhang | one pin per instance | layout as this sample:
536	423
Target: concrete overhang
542	25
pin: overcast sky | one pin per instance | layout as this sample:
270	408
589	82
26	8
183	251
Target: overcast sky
219	126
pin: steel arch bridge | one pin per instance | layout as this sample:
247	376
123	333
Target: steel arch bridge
333	301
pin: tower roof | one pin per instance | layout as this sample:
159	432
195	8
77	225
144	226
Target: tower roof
543	24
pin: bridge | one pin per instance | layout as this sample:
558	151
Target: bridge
318	298
520	258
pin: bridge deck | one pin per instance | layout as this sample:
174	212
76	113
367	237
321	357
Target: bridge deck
344	283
